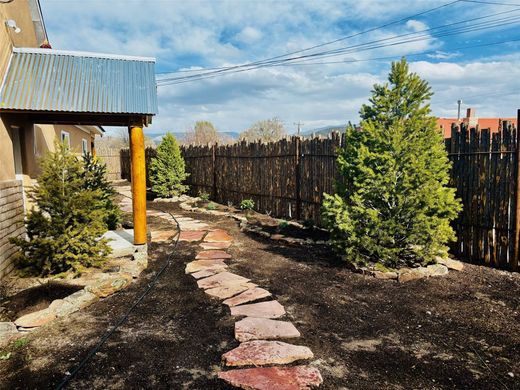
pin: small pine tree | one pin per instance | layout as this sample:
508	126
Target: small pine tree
95	178
63	229
167	169
393	205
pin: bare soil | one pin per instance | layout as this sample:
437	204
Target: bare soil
456	332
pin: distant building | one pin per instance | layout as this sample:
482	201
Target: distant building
472	121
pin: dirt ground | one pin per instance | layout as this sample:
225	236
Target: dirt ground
460	331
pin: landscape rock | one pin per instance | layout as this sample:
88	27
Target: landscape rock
81	299
8	331
270	378
269	309
162	235
227	291
205	265
221	279
36	319
384	275
251	328
410	274
213	254
215	245
62	308
192	235
451	264
436	270
206	272
261	353
218	235
105	287
277	237
250	295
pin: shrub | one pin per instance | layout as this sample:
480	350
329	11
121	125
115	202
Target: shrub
211	206
247	204
393	205
167	169
94	176
204	196
63	230
283	224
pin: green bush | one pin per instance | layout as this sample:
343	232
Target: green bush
211	206
282	224
204	196
247	204
393	205
63	229
167	169
95	178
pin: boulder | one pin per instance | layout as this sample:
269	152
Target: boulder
36	319
8	332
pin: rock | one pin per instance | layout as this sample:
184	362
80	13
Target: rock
410	274
36	319
163	235
277	237
205	265
215	245
264	329
261	353
248	296
436	270
269	309
206	272
81	299
384	275
270	378
8	331
450	263
62	308
218	235
221	279
192	235
228	291
213	254
104	288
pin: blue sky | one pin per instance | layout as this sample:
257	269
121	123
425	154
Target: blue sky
197	34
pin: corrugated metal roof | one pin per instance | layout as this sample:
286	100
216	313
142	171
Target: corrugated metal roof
54	80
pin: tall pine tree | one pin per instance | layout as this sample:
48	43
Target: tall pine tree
167	169
64	229
393	205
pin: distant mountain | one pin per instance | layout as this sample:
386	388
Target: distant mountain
326	130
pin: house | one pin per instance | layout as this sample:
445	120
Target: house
48	94
472	121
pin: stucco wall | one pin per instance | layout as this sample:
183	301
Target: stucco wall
11	222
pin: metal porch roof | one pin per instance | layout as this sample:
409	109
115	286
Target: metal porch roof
55	80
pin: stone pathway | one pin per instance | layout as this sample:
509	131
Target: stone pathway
259	331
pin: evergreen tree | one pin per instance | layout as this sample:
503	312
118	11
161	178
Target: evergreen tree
167	169
63	229
393	205
95	178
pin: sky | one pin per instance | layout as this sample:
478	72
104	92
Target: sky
193	35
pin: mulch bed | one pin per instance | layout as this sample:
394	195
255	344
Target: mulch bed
457	331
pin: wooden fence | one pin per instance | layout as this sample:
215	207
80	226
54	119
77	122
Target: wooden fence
485	174
287	179
111	157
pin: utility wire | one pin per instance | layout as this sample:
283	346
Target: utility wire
419	35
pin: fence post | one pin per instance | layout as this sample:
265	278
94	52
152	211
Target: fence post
514	261
213	168
298	179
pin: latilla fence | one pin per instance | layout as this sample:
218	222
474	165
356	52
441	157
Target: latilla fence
288	178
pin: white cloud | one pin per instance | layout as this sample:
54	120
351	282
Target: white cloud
249	35
416	25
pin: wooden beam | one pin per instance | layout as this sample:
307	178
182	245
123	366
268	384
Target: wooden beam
515	260
138	174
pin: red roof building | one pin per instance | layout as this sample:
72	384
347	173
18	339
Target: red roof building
472	121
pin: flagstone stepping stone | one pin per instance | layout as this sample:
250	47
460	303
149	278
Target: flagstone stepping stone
192	235
221	279
192	225
213	254
270	378
261	353
205	265
269	309
206	272
251	328
227	291
162	235
215	245
36	319
250	295
218	235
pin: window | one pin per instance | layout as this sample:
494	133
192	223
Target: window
84	146
65	138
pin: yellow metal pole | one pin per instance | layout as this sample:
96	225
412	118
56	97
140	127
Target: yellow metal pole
138	173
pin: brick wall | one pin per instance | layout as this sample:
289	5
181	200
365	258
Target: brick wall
11	222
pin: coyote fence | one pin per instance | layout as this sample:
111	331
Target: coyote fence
111	157
287	179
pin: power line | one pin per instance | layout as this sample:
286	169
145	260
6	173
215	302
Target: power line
373	44
490	2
